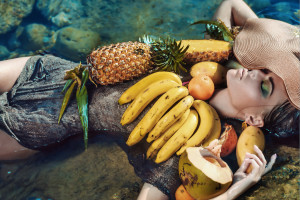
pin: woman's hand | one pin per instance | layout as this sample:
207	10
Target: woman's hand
243	181
259	164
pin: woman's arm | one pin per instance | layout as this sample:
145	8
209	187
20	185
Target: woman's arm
234	13
150	192
10	71
10	149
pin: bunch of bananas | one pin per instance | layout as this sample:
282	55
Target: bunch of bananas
174	122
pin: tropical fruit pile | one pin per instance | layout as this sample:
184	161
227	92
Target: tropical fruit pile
174	122
119	62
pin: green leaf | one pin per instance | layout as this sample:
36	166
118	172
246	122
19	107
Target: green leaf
221	28
82	103
66	99
68	83
85	77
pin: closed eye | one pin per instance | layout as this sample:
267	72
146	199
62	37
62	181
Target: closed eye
267	87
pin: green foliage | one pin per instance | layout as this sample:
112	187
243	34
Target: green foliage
168	55
77	77
217	30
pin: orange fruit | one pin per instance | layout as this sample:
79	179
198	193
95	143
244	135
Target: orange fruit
182	194
201	87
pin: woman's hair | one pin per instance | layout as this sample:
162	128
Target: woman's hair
283	120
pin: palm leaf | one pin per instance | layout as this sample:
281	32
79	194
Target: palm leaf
82	103
66	98
215	28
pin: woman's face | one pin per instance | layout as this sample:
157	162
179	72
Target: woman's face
255	91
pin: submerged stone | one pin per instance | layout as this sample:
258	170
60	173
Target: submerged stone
61	12
76	44
36	37
12	12
4	53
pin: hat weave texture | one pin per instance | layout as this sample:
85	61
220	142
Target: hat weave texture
273	45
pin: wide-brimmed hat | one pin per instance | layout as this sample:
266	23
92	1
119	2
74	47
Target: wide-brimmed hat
273	45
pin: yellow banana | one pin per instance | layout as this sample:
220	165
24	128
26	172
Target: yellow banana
158	143
216	131
179	138
134	90
205	127
170	118
155	113
145	97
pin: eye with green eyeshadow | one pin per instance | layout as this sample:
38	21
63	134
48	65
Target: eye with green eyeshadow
266	87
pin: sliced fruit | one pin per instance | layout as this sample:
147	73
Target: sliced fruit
203	174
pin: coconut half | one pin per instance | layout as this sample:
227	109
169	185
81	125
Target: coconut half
203	174
212	166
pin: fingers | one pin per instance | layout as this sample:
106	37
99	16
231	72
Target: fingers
254	157
260	161
256	172
271	163
244	165
260	155
262	158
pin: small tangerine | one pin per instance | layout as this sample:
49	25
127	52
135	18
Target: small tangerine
201	87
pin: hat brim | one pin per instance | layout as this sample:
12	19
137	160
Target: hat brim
273	45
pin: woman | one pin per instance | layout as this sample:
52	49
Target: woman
259	97
31	101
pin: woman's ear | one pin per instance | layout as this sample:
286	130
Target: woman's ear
254	120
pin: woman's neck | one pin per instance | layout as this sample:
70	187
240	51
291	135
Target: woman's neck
222	103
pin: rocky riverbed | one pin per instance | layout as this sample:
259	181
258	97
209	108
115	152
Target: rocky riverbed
71	29
103	172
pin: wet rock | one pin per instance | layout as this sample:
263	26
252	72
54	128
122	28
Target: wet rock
127	193
69	172
76	44
60	12
13	41
37	37
4	53
12	12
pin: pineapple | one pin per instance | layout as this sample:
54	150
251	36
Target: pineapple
124	61
118	62
206	50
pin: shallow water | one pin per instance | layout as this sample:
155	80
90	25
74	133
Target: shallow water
103	172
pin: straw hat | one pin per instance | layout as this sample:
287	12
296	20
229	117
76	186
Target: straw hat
273	45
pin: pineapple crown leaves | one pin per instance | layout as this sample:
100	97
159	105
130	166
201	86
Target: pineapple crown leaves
217	30
167	54
77	77
149	39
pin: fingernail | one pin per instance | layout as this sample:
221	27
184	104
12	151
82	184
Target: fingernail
255	146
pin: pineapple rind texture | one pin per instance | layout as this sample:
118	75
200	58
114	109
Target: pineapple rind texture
195	57
119	62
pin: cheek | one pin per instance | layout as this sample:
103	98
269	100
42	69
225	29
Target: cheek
243	93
